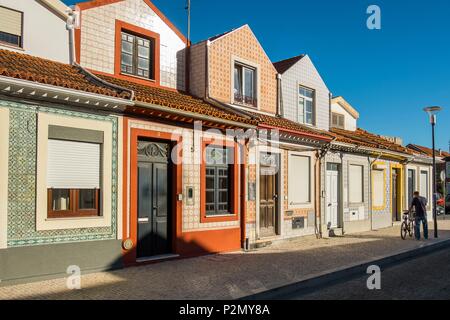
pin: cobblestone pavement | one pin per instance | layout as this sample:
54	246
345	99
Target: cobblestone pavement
231	275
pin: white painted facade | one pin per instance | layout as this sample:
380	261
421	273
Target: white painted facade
350	122
305	74
97	48
44	29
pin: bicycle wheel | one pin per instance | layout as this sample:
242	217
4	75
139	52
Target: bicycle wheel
404	230
411	229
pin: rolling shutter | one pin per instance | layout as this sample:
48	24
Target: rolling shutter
10	21
378	188
355	184
424	184
73	165
299	180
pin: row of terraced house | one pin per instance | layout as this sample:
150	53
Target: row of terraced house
122	143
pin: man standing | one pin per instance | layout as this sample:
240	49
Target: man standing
420	204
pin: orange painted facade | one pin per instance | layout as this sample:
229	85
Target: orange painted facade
185	243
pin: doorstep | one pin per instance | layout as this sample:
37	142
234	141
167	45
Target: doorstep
158	258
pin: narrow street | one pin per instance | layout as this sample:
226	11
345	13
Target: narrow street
425	277
240	274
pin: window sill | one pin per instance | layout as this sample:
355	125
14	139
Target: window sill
356	204
219	218
251	106
11	46
306	205
75	218
137	77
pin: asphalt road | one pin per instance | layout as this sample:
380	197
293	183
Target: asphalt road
425	277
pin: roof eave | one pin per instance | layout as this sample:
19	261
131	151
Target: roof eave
38	91
193	115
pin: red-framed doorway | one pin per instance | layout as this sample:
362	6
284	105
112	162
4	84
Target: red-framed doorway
131	136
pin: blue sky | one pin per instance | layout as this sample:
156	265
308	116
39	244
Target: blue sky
388	75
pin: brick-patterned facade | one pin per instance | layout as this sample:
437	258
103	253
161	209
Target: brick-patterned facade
239	45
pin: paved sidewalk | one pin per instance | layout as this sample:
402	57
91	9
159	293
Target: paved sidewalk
229	276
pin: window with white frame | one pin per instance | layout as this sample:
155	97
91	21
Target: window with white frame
245	92
378	188
305	113
337	120
355	183
424	184
299	180
11	26
73	172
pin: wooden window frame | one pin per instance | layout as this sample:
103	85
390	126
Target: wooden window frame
233	214
135	56
8	44
74	210
122	26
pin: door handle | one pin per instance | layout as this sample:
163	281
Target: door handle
143	220
329	204
275	196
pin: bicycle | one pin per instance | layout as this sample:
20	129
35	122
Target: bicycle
407	227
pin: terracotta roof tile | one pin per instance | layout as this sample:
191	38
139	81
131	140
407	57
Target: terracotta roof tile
176	100
428	151
26	67
367	139
289	125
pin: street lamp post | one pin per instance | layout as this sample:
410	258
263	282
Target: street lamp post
432	111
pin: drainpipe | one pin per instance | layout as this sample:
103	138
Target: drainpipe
70	26
280	111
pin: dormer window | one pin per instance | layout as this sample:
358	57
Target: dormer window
245	85
337	120
11	27
137	56
305	106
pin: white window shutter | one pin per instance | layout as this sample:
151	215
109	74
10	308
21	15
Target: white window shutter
424	184
355	184
10	21
73	165
378	188
299	180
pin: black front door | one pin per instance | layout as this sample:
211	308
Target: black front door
153	199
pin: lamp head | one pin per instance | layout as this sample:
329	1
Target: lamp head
432	112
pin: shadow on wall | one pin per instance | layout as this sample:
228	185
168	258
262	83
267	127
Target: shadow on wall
181	84
228	276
